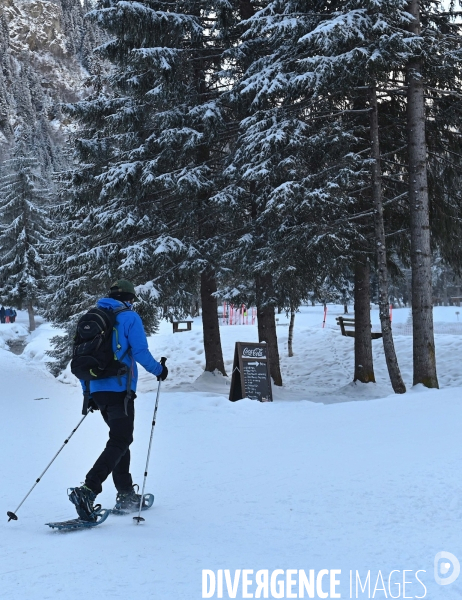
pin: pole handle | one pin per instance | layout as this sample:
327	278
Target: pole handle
163	360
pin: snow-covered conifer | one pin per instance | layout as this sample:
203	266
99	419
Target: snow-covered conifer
24	230
315	64
150	151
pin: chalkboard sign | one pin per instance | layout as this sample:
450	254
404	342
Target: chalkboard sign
251	378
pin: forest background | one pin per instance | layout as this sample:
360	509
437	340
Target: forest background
261	153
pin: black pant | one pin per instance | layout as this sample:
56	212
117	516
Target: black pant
115	458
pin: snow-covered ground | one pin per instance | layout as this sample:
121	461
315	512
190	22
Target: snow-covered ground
310	481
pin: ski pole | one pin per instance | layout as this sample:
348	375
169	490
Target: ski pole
139	518
12	515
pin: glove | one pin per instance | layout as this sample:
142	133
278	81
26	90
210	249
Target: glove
92	405
163	375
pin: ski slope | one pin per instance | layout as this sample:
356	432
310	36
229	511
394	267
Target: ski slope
315	480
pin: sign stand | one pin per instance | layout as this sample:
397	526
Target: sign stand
251	377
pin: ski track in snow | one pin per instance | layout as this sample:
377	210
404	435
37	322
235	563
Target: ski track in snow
311	481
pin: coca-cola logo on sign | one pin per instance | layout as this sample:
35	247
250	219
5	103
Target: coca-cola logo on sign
253	353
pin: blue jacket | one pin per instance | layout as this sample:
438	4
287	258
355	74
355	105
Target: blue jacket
129	335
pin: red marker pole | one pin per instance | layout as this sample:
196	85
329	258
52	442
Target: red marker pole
391	313
325	316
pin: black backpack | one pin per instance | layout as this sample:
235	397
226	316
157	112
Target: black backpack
92	353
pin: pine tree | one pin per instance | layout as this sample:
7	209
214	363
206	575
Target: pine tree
433	78
6	132
356	48
316	62
150	153
82	36
431	64
290	169
380	240
25	228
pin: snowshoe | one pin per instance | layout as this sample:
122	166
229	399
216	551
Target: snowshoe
129	501
73	524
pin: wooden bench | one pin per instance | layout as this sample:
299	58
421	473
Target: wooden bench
176	326
349	322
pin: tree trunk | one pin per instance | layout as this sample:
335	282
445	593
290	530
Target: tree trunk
422	309
291	332
206	229
364	366
212	339
265	311
195	309
377	197
267	325
30	310
345	302
444	294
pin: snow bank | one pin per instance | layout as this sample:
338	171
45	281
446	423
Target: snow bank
295	484
12	332
38	343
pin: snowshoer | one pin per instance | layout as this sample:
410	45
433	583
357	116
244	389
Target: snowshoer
116	403
2	314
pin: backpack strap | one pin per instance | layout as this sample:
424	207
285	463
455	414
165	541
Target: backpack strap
128	373
116	312
86	398
120	309
128	395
